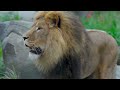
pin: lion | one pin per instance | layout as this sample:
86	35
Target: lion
62	48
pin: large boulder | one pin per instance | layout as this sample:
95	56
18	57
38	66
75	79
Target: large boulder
15	54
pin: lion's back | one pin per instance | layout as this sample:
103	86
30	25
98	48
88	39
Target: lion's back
100	37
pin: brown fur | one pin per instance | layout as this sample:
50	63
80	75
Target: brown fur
69	50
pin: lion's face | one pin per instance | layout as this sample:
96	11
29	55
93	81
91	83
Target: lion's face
36	37
43	37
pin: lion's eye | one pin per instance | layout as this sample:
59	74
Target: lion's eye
38	28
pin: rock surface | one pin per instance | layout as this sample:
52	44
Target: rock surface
15	54
117	72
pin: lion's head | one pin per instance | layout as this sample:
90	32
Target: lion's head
51	37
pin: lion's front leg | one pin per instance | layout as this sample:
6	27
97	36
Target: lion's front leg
107	65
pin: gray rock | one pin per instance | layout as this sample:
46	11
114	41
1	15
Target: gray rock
7	27
2	31
15	54
117	72
18	27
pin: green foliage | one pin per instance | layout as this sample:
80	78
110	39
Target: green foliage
9	16
10	74
108	21
2	67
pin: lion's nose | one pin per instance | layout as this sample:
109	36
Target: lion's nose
25	38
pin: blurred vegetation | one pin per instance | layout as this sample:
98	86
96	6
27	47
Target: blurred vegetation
108	21
2	67
9	16
10	74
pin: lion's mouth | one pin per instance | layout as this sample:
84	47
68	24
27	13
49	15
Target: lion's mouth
36	50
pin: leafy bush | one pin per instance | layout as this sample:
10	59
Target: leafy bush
108	21
9	16
2	67
10	74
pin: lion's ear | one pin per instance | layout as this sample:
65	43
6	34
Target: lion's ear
52	19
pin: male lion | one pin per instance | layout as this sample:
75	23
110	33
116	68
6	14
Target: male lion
62	49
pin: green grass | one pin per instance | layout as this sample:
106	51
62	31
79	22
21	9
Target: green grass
10	74
108	21
2	67
9	16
